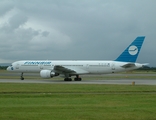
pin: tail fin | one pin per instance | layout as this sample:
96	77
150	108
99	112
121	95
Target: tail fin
132	51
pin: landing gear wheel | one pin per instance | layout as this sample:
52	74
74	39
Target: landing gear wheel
67	79
77	78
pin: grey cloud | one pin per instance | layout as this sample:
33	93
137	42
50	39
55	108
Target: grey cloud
45	33
71	29
5	7
17	20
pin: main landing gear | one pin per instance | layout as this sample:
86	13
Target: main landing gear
77	78
22	78
67	79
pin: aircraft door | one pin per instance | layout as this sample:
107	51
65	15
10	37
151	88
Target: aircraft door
41	66
113	67
17	66
87	66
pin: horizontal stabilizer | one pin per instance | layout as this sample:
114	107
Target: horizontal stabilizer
145	64
128	65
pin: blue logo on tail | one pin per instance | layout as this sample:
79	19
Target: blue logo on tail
132	51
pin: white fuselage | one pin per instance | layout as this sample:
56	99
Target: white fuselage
82	67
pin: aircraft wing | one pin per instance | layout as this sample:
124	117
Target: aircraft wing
128	65
69	70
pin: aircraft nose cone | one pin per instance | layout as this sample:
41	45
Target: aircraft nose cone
9	68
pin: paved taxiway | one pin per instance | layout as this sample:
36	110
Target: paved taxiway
122	82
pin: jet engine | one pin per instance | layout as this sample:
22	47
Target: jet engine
47	74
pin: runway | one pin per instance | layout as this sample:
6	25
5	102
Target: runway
121	79
117	82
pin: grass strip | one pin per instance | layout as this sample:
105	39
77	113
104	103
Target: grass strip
76	102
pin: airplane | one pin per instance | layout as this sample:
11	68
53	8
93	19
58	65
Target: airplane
66	69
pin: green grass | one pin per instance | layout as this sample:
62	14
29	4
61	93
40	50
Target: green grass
79	101
76	102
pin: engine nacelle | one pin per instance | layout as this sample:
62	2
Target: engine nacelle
47	74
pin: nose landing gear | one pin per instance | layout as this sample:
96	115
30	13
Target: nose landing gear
22	78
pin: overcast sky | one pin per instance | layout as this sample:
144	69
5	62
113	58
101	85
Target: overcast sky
76	29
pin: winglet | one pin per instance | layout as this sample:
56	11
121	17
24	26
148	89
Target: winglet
132	51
